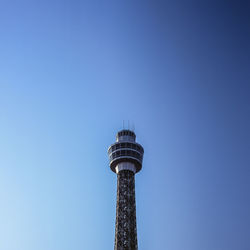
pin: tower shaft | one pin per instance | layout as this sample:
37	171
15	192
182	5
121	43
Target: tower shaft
125	228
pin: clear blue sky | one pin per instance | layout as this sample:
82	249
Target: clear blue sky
71	71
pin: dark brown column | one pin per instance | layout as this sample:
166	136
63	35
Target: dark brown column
125	228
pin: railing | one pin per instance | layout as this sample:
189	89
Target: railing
127	145
123	153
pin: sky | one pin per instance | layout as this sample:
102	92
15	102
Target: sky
72	71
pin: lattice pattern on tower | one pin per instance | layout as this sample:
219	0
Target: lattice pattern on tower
125	229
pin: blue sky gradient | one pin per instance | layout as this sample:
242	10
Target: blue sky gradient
72	71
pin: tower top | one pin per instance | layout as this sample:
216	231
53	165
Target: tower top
125	135
125	150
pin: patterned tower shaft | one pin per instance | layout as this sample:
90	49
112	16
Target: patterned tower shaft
125	229
125	160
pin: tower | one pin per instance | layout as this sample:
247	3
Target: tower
125	157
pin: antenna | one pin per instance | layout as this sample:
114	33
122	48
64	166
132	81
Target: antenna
133	127
123	124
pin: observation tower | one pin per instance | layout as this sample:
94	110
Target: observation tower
125	157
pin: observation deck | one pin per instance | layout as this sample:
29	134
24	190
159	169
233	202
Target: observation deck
125	150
